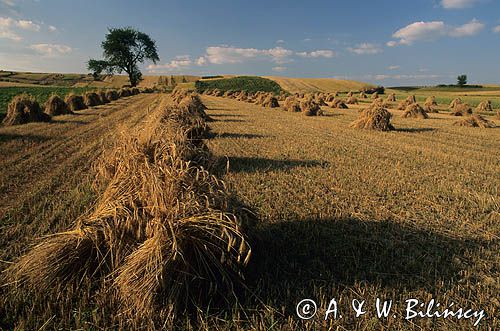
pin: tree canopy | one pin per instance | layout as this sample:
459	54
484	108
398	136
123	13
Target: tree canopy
462	80
123	50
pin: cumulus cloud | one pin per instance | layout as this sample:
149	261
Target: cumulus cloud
10	27
201	61
279	69
229	54
496	29
280	41
52	28
469	29
393	67
8	22
458	4
7	34
326	53
427	31
365	48
179	62
51	50
400	77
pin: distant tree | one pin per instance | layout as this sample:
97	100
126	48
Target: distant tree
124	49
184	80
172	81
462	80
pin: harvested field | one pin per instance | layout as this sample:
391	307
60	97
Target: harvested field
347	213
341	212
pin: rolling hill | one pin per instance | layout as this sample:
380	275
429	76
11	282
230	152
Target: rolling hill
317	84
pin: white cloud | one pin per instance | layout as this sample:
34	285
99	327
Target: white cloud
469	29
427	31
279	69
8	27
201	61
51	50
420	31
8	3
279	54
326	53
280	41
496	29
400	77
306	40
365	48
8	22
27	25
393	67
52	28
229	54
7	34
457	4
181	61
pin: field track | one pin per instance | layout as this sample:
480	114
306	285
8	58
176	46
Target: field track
45	177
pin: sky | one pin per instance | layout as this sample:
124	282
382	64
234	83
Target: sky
386	42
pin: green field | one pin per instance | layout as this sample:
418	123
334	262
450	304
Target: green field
40	93
242	83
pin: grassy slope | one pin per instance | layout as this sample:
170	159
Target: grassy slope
317	84
348	213
80	80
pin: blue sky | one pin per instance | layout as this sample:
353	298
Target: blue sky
387	42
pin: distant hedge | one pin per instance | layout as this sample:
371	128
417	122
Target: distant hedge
211	77
241	83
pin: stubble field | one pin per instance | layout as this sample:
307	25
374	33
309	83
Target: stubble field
342	213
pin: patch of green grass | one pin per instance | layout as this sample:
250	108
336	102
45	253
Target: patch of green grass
242	83
41	94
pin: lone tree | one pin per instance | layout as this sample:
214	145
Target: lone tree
124	49
462	80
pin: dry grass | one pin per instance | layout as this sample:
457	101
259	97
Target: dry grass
475	121
75	102
160	232
24	109
291	104
415	111
343	213
56	106
339	103
309	107
461	109
270	101
91	99
484	106
356	214
375	117
293	85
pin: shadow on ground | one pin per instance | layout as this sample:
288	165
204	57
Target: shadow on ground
242	135
4	137
294	258
414	130
258	164
226	115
